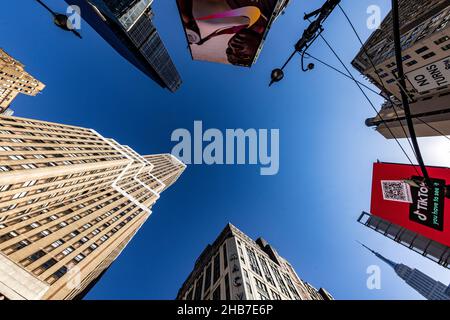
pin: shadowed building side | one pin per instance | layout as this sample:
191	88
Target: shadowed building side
127	26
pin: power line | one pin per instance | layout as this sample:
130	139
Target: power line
46	7
431	127
382	82
373	91
342	73
368	99
401	79
377	73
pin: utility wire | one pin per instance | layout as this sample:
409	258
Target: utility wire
370	102
401	79
378	75
46	7
373	91
343	73
382	82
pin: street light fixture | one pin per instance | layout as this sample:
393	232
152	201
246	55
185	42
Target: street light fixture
61	20
309	36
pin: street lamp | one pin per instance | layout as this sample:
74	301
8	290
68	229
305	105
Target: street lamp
309	36
61	20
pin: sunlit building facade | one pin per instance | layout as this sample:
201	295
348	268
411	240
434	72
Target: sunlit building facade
235	267
14	80
70	201
425	40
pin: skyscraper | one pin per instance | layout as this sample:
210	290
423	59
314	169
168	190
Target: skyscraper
418	243
15	80
416	279
127	26
235	267
425	32
70	201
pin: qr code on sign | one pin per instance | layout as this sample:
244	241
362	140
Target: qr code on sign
398	191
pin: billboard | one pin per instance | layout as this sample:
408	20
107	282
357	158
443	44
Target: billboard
226	31
399	197
432	76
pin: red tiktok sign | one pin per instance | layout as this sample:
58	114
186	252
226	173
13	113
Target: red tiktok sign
400	196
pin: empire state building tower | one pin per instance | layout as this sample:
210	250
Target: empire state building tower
416	279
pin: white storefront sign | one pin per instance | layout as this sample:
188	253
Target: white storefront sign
432	76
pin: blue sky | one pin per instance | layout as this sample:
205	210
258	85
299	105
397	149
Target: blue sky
308	211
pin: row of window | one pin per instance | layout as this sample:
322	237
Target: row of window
254	266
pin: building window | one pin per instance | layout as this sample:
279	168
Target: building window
275	296
280	282
45	233
67	251
190	295
198	288
266	271
241	254
216	267
291	287
446	48
261	286
35	256
263	296
208	277
227	288
411	63
62	271
421	50
48	264
83	240
390	65
429	55
225	256
249	288
253	262
22	244
57	243
216	294
79	257
442	40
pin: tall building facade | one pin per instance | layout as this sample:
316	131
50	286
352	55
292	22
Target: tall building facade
416	279
425	39
127	26
235	267
70	201
14	80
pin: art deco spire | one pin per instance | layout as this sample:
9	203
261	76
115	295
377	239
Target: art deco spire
381	257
